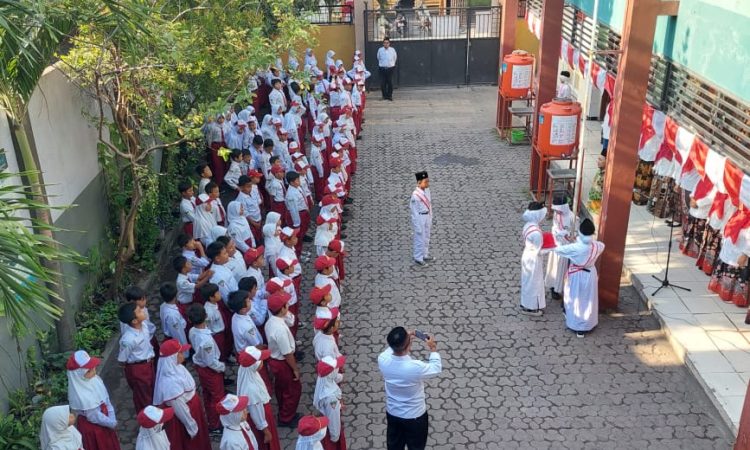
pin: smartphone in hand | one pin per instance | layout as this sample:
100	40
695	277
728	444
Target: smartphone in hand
421	335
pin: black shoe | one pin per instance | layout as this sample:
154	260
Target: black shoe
343	236
555	295
215	432
299	355
292	423
349	201
359	137
227	382
307	239
343	227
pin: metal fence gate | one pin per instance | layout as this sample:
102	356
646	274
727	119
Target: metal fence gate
436	46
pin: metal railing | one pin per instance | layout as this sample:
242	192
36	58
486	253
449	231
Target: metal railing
521	9
329	15
433	23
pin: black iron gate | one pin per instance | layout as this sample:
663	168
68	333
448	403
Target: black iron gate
436	46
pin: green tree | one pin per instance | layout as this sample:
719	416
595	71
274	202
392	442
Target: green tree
153	84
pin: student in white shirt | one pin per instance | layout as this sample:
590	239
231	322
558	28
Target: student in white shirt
235	171
214	318
283	363
207	364
151	434
173	324
187	207
187	283
406	409
237	434
251	384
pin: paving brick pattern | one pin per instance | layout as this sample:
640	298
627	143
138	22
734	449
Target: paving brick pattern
509	381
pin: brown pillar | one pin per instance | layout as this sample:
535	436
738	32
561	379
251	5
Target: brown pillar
546	73
622	156
508	28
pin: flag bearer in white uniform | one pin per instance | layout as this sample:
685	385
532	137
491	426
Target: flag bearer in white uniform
557	266
421	218
582	286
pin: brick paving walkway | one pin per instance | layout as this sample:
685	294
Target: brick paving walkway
509	381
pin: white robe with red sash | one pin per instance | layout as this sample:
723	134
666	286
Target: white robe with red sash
582	286
532	266
557	266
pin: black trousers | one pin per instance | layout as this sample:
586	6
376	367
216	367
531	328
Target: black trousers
386	81
411	433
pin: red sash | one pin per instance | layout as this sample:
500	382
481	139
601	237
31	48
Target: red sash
424	200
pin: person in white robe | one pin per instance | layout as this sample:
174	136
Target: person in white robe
58	430
557	267
420	206
582	286
532	266
151	434
310	59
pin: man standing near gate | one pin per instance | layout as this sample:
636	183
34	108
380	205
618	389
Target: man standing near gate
387	63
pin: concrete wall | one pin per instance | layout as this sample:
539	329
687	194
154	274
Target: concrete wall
66	147
339	38
709	37
525	39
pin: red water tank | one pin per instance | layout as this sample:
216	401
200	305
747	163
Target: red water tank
518	71
558	127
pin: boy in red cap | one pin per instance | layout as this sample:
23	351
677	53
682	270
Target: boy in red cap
255	261
283	362
284	283
151	434
336	178
237	433
289	238
89	400
336	251
327	400
327	224
250	384
175	387
206	359
325	266
136	354
311	431
327	322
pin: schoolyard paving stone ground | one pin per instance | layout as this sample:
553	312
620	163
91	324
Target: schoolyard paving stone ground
509	381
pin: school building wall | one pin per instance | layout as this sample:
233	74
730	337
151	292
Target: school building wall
337	37
525	39
709	37
66	145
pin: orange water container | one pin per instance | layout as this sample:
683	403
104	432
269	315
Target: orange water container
558	127
518	72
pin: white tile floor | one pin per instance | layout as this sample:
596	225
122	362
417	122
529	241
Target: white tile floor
708	333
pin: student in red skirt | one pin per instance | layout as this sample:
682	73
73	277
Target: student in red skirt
251	385
151	434
175	387
89	399
327	400
136	354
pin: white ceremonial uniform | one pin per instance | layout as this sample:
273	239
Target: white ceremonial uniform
206	351
404	382
557	266
582	286
421	220
532	266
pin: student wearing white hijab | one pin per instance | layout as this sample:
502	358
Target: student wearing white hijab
214	233
239	229
237	433
327	400
250	384
557	266
151	434
330	64
267	128
532	274
311	431
271	240
58	432
310	59
89	400
175	387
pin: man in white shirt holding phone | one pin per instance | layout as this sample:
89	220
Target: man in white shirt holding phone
406	409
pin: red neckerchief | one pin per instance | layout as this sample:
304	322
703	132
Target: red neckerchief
419	193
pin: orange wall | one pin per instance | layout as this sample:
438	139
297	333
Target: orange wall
525	39
339	38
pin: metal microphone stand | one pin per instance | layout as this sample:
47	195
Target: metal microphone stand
665	282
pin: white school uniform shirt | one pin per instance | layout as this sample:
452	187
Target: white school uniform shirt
289	253
276	189
265	165
245	332
214	319
404	382
295	204
325	345
172	323
387	57
305	183
236	265
135	345
202	186
198	263
290	289
333	97
324	280
233	175
224	278
185	288
147	324
204	220
278	102
327	400
152	438
335	183
206	351
280	339
251	204
218	211
236	434
258	275
187	210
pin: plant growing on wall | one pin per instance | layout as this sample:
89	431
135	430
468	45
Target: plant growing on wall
152	84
